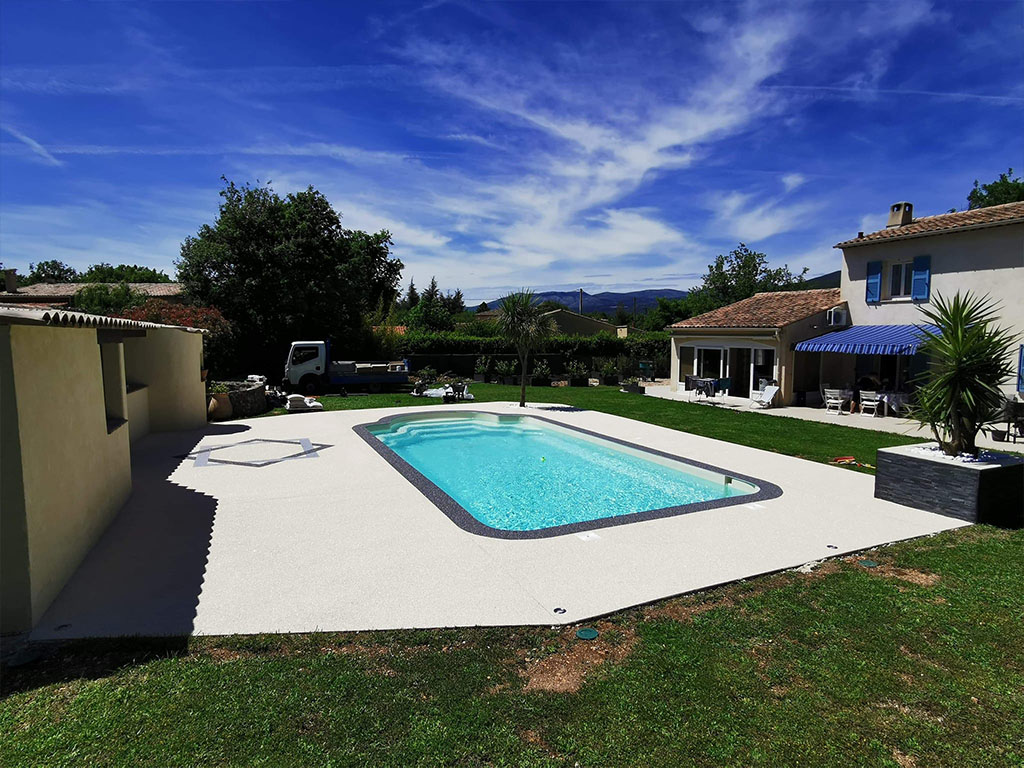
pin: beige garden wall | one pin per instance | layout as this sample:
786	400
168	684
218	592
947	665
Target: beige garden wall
168	362
74	476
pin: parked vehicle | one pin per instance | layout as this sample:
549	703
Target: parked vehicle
309	368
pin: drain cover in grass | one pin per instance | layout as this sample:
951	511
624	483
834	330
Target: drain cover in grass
586	633
868	563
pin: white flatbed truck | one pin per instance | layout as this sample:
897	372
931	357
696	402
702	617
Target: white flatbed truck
309	369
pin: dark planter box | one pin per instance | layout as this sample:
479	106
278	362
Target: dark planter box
579	381
991	491
611	381
636	388
540	381
481	377
509	380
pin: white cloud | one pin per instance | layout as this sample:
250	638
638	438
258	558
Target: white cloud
793	180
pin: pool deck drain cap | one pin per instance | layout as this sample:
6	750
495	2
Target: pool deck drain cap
559	610
586	633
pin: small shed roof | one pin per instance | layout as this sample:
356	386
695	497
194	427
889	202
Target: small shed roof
22	315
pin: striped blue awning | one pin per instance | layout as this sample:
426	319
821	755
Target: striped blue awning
869	340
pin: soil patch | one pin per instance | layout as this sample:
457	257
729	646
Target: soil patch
565	670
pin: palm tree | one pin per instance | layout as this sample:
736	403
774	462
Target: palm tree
522	323
959	392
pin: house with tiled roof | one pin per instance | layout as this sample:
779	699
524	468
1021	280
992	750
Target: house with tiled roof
889	275
751	342
61	294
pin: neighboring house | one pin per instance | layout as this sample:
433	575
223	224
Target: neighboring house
76	391
752	341
61	294
568	322
888	275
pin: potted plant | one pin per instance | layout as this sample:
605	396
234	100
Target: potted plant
610	373
427	375
480	369
219	406
632	384
506	370
541	374
577	371
957	395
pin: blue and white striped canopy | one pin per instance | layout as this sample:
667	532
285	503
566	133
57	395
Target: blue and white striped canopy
869	340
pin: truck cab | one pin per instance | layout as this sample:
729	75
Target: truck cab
308	368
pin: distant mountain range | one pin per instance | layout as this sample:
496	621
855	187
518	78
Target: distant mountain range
608	300
604	302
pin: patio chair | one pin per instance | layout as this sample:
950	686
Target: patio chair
455	392
869	401
834	400
763	398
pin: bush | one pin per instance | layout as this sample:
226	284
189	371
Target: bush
576	369
427	374
482	364
505	368
541	370
101	299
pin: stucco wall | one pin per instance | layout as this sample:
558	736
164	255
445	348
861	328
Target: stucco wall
138	413
168	362
985	261
74	475
571	323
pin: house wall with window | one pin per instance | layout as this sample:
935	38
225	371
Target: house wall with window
879	278
66	422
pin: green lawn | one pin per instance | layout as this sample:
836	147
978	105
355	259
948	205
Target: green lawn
918	662
804	439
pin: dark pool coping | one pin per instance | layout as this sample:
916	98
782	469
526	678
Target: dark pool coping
462	518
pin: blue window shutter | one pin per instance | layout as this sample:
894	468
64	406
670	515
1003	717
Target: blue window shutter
921	286
874	283
1020	369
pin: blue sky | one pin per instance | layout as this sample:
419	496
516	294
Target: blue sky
552	145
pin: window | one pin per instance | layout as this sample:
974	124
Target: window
304	355
901	279
709	363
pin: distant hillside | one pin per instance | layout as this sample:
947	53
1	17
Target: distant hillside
604	302
830	280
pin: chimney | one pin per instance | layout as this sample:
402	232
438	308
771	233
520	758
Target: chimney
11	280
900	214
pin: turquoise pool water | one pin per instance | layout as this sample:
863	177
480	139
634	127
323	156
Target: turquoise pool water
523	474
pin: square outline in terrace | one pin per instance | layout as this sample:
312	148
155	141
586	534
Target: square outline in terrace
465	520
309	451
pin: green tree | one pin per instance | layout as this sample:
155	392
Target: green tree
454	302
664	313
1005	189
550	304
969	356
483	307
524	325
283	268
621	316
51	271
412	296
122	273
104	299
433	293
430	315
737	276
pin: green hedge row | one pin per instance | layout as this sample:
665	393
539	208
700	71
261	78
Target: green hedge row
646	345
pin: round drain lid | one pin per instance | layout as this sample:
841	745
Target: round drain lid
586	633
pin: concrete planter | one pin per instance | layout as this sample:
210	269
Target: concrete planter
540	381
638	389
579	381
480	377
509	380
248	400
610	381
989	491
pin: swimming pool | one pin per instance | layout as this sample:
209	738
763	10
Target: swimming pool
524	476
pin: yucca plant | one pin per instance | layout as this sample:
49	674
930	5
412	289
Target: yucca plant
523	323
969	356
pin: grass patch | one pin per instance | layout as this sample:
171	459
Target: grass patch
793	437
844	666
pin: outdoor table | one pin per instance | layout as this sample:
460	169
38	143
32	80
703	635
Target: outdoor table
704	387
896	401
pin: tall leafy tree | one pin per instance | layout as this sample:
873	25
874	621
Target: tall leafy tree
103	299
51	271
1005	189
737	276
454	303
412	296
433	293
483	307
284	268
122	273
523	324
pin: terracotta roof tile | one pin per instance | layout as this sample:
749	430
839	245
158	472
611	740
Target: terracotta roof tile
66	290
993	216
766	310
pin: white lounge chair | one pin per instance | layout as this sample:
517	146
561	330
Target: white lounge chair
869	401
834	400
764	397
